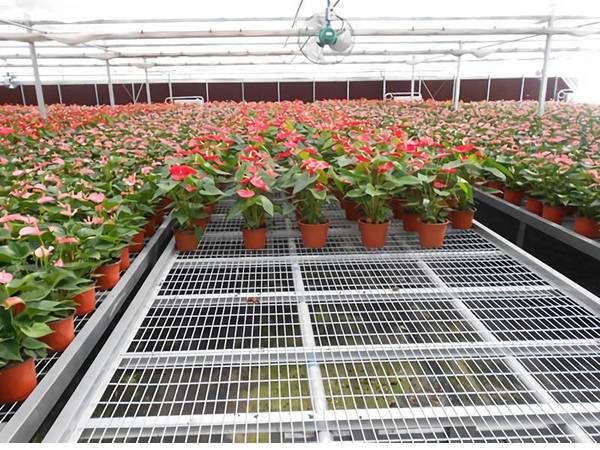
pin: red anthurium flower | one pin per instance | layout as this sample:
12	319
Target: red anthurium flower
439	184
245	193
464	148
448	170
385	167
361	159
5	131
179	173
312	166
259	183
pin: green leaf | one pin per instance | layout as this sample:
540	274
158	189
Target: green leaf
302	181
36	330
267	205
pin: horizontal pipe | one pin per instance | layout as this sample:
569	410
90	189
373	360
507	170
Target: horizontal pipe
80	38
289	19
269	53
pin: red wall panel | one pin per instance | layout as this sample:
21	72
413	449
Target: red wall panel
10	96
225	91
437	89
188	89
326	90
296	90
256	92
366	89
473	90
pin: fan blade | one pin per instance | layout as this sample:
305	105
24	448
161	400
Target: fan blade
343	41
313	51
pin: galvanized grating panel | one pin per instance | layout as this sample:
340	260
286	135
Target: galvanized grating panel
218	324
497	271
363	275
544	314
219	247
191	278
366	320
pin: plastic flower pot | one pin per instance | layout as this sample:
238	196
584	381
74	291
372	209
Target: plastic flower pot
431	235
373	235
255	239
397	207
124	261
138	243
159	216
150	227
570	210
313	235
535	206
209	209
496	185
352	209
109	276
86	302
202	222
514	197
17	381
410	222
554	214
587	227
62	335
186	240
462	220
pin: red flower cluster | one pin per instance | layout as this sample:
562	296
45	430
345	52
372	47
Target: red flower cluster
181	172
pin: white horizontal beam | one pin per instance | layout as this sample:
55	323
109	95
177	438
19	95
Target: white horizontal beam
81	38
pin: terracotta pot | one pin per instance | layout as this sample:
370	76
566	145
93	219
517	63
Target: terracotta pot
554	214
150	227
313	235
570	210
186	241
431	235
452	203
587	227
16	305
138	243
397	207
202	222
373	235
514	197
255	239
410	222
159	216
535	206
17	381
462	220
124	262
110	274
352	209
496	185
86	302
210	209
63	334
164	204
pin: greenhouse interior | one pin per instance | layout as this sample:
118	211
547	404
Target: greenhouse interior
302	221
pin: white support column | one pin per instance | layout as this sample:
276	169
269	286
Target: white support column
170	86
96	92
489	84
148	98
59	93
522	88
555	88
420	85
111	92
39	93
243	92
384	88
347	89
544	78
412	78
207	95
23	99
278	92
313	89
456	90
133	95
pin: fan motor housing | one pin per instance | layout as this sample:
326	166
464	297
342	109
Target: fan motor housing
327	36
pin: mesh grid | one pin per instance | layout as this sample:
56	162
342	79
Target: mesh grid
401	344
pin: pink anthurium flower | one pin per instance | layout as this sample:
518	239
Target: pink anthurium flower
245	193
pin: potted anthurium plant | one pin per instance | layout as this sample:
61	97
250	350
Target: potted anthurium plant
587	199
433	208
375	178
19	344
310	193
251	182
183	188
